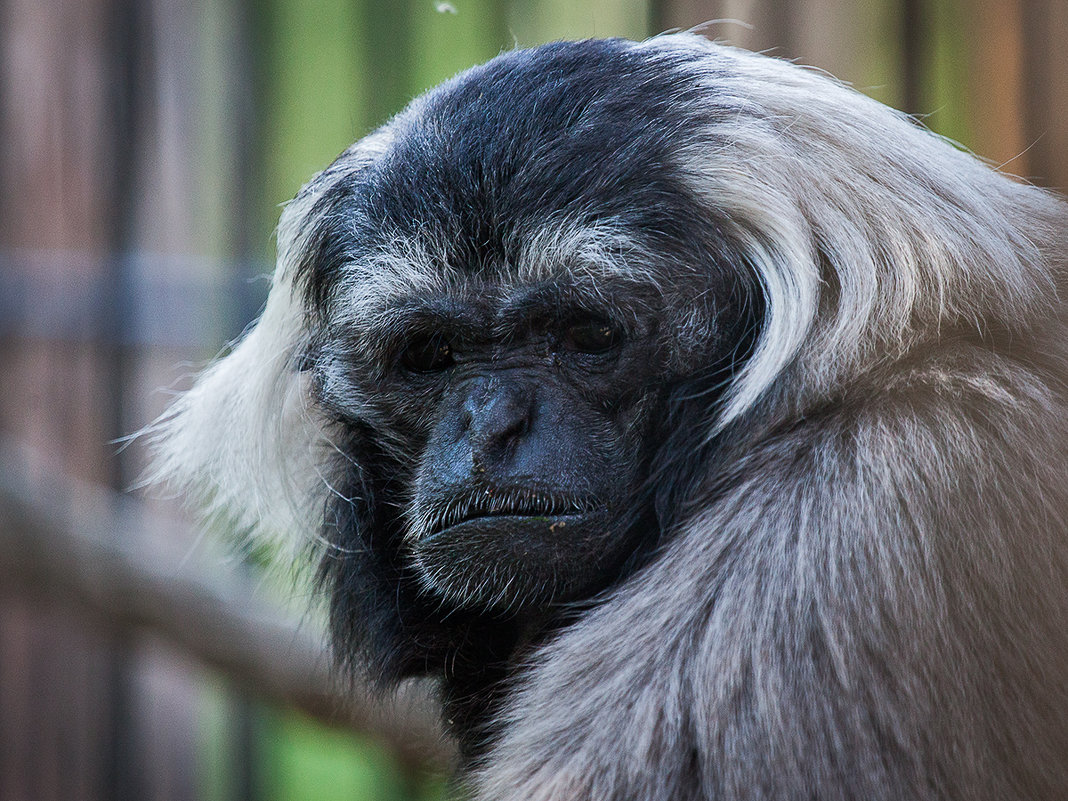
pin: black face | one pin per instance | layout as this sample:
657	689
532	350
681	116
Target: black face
531	458
521	423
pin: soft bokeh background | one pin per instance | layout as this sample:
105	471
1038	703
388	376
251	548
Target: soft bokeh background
144	149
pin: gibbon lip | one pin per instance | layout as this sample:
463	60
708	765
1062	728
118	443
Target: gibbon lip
515	504
552	522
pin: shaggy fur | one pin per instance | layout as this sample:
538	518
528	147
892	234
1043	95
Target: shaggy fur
848	558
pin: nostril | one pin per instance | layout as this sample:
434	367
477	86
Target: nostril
502	419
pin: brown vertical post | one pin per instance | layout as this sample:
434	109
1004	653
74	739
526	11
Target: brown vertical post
995	88
1045	90
55	129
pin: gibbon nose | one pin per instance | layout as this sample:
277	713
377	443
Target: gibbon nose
499	417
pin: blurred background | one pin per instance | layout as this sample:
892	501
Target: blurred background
145	147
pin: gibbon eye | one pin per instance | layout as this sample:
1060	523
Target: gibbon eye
592	336
428	354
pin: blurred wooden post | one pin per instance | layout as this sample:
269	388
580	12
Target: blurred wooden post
995	88
1045	81
857	42
55	186
94	169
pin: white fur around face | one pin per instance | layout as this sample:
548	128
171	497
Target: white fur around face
245	443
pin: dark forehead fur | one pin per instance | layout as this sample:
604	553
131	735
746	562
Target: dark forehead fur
575	131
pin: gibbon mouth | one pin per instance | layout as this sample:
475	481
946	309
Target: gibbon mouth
509	506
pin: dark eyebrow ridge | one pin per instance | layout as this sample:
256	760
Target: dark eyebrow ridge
397	322
546	302
555	300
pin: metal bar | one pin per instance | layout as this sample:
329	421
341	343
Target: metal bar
168	301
